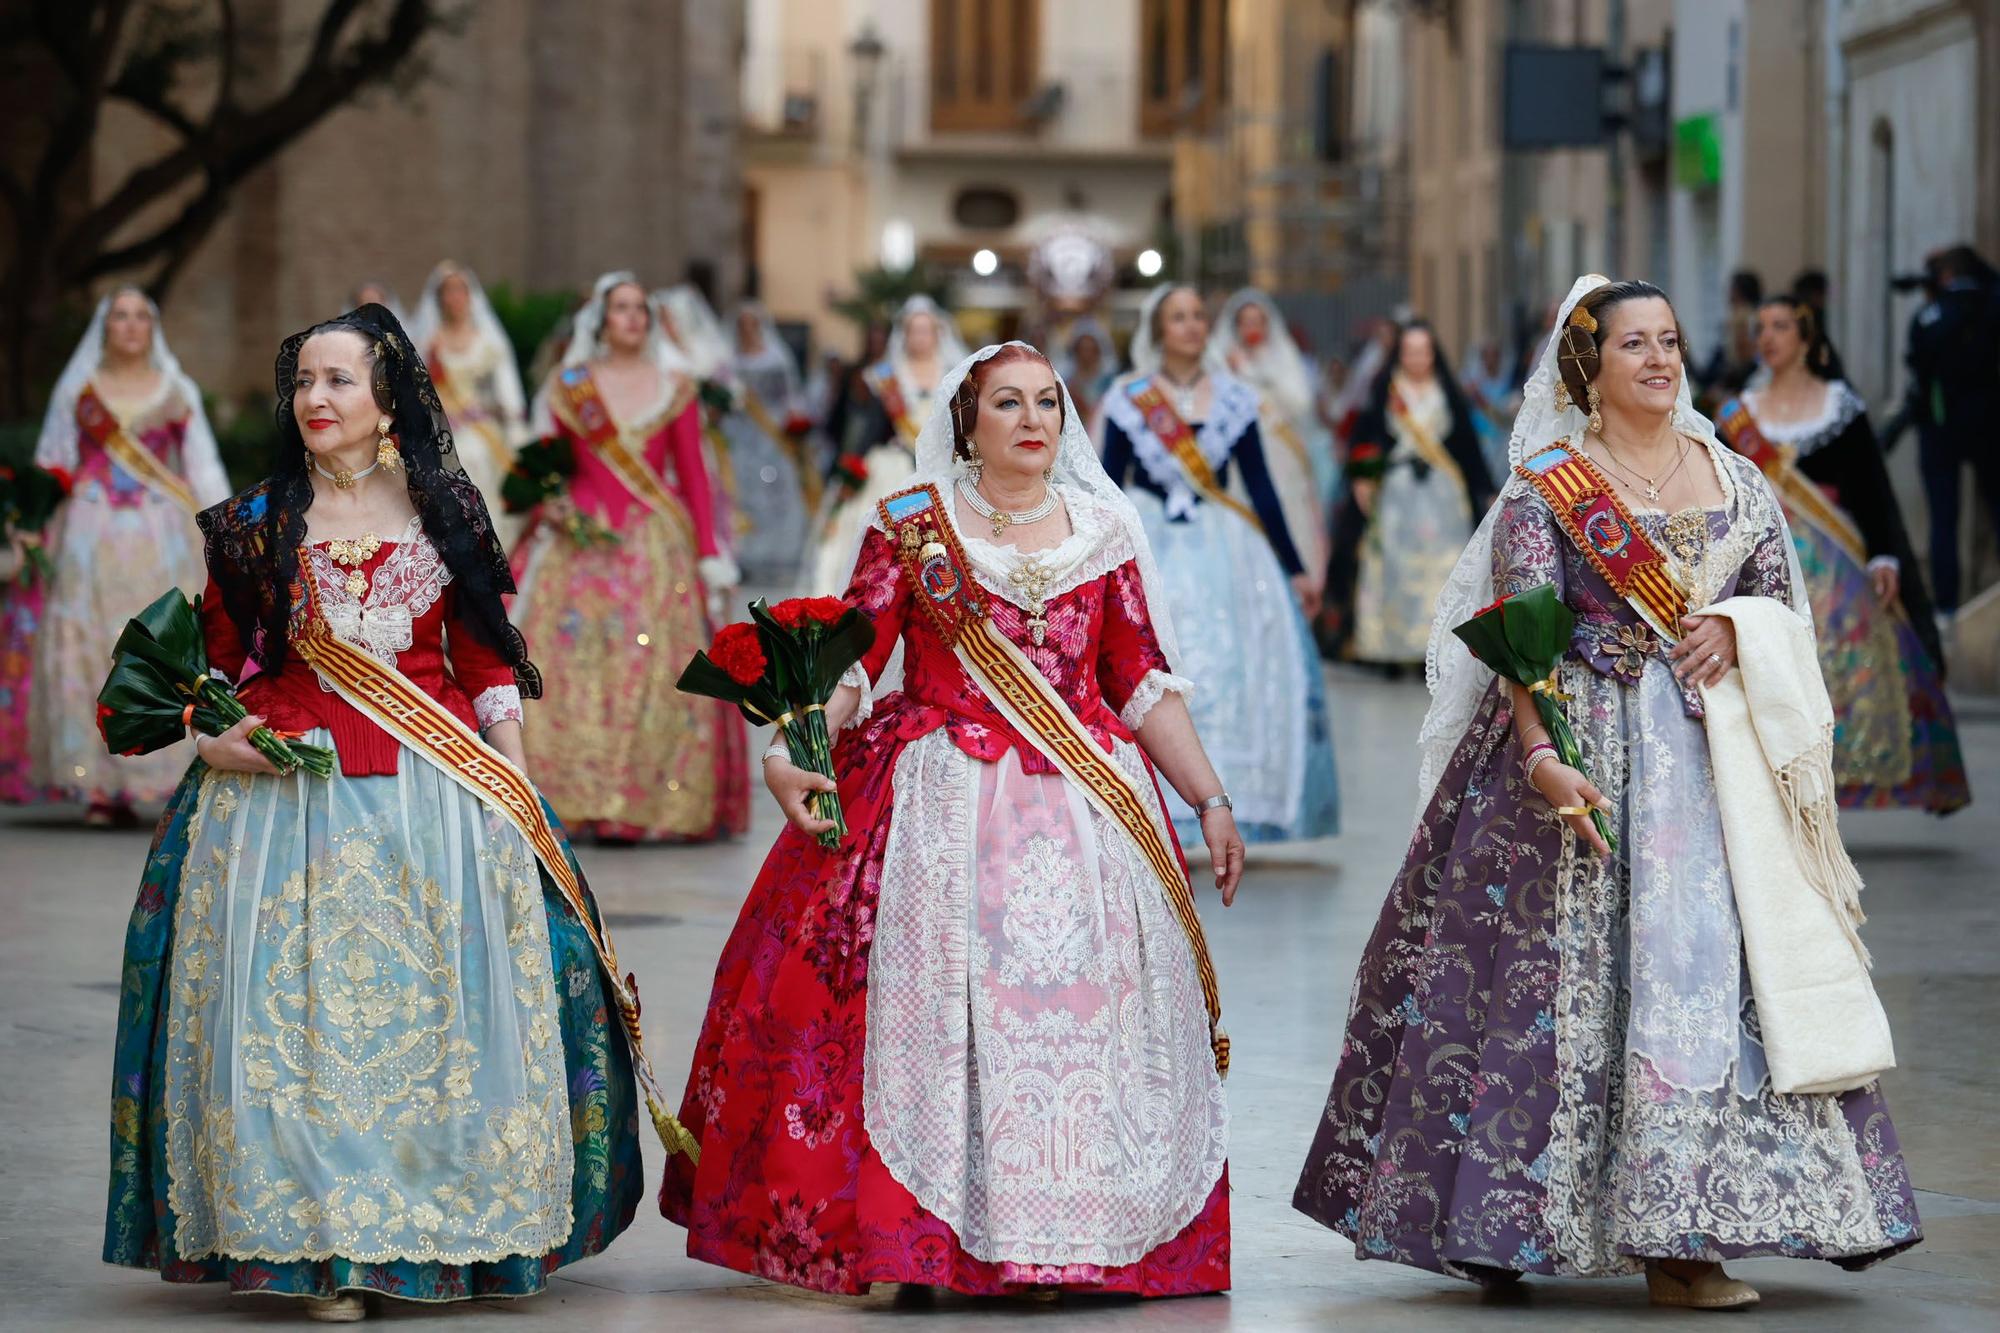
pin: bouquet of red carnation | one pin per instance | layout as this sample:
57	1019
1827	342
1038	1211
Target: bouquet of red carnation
850	473
29	497
1524	638
782	668
159	686
1366	461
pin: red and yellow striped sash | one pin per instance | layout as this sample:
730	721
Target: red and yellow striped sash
102	427
1780	466
420	722
942	582
1428	446
1587	507
577	401
1179	437
888	392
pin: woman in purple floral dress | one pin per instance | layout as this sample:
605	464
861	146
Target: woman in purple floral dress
1552	1062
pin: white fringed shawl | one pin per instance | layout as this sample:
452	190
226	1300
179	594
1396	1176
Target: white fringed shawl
1798	895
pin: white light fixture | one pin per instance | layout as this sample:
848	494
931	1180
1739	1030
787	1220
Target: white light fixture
899	245
1149	263
985	263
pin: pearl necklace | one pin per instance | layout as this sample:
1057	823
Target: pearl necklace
341	477
1002	519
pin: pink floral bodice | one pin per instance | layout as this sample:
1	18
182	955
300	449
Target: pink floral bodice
1099	651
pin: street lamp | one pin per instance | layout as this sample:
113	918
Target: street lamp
985	263
866	52
1149	263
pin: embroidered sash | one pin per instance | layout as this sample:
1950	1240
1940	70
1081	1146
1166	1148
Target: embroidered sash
1428	446
1779	464
465	413
888	391
577	401
101	426
1597	521
1170	430
935	563
396	704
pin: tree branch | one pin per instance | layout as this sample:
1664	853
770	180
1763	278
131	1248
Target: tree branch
240	143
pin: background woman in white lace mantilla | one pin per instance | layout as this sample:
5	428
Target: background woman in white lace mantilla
1233	576
472	365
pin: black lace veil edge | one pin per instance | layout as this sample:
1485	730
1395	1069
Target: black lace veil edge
264	555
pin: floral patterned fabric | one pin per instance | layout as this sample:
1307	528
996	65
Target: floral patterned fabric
859	1124
143	1227
615	747
1895	742
20	614
1551	1061
111	526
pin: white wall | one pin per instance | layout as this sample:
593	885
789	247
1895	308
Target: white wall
1921	84
1706	226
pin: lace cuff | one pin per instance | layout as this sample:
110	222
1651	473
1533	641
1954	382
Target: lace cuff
858	678
1155	687
718	573
501	703
1885	562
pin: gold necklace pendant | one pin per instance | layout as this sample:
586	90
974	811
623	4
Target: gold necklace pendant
343	479
352	555
1033	581
1000	522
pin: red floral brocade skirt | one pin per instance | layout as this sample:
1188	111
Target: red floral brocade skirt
789	1187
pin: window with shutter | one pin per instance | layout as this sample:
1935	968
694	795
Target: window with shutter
983	63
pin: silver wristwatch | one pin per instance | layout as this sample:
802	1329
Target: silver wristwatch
1219	801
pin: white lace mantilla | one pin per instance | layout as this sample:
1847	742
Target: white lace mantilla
1233	408
1037	1071
404	586
1841	406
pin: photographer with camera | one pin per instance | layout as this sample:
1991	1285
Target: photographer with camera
1954	393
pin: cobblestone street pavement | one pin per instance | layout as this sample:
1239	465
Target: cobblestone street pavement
1286	954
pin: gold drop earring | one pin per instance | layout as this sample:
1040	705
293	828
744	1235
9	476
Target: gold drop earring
1596	417
1562	395
386	453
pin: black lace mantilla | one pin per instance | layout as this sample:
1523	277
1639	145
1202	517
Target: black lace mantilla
253	539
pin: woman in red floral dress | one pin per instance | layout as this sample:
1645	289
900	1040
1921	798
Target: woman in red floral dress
974	1045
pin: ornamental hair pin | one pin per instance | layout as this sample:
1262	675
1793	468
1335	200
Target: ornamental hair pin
1583	319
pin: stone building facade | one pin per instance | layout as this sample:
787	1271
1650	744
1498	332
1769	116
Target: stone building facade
543	142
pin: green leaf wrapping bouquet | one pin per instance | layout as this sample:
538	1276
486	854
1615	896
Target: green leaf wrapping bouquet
159	687
781	669
1524	638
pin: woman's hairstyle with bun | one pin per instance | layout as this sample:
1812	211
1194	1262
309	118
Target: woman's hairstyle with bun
1820	358
1580	351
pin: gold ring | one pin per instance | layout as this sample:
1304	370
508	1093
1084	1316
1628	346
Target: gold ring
1572	809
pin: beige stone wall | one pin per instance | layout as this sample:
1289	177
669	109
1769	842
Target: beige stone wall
548	141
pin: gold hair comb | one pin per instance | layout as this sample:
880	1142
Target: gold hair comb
1583	319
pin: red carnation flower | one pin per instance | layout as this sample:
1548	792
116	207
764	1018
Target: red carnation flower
103	712
826	610
63	479
739	652
1497	604
795	612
